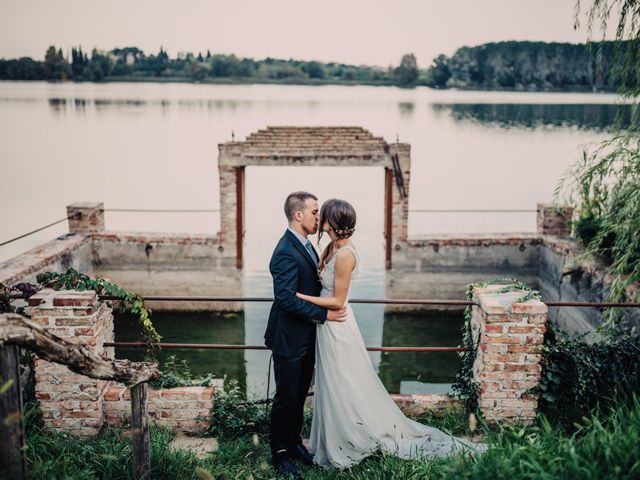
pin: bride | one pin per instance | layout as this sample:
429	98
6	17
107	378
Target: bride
353	415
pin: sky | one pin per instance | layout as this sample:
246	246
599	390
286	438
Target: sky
368	32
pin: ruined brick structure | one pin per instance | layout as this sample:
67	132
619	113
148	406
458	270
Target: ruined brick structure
318	147
83	406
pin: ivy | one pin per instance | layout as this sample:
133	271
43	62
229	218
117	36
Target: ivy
577	376
464	386
74	280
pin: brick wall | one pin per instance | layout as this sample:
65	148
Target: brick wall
83	406
86	217
72	402
552	220
186	409
509	336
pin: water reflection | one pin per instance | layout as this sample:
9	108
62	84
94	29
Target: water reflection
525	115
401	372
407	372
406	108
190	327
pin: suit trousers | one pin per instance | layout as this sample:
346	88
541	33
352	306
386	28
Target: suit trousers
293	378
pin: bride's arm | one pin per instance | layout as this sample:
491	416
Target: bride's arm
345	263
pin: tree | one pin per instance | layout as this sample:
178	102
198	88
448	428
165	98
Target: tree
407	73
55	65
603	186
439	73
315	70
78	62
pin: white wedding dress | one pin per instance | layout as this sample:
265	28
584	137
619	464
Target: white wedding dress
353	414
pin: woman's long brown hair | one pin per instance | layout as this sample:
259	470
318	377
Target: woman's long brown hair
341	217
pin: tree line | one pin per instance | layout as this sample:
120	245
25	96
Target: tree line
517	65
524	65
132	62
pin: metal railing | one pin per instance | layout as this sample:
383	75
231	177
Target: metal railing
217	210
217	346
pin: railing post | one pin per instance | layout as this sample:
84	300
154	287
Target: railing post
86	217
12	439
509	335
140	432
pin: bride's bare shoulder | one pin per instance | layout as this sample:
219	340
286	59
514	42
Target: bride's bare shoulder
346	258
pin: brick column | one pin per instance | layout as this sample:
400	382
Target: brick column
508	359
400	210
86	217
553	220
69	401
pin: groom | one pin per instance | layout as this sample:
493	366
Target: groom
291	330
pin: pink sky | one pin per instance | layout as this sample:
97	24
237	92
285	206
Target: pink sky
374	32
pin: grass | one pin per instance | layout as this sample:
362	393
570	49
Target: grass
606	445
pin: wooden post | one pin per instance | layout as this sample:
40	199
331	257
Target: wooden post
12	439
140	432
388	223
239	215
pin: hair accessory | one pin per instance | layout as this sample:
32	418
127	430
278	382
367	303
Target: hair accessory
346	232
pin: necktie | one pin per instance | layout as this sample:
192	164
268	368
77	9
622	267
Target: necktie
311	251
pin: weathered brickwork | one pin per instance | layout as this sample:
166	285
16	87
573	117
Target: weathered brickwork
87	217
417	404
72	402
83	406
311	146
553	220
509	335
186	409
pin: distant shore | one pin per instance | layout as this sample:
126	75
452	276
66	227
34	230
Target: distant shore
311	82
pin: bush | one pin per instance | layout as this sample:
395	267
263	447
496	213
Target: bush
577	376
178	374
232	416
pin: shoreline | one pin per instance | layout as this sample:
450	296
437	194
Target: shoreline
314	83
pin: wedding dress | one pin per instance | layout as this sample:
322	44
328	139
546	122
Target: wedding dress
353	414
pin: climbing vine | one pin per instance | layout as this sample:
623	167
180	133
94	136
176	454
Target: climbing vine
74	280
464	386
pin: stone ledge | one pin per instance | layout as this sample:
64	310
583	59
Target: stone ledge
493	303
48	298
417	404
40	257
483	240
156	237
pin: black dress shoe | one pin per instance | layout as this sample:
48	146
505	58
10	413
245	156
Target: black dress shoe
284	466
300	452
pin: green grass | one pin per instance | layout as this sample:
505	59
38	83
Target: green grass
606	445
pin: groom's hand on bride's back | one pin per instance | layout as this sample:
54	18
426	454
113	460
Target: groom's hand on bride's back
337	315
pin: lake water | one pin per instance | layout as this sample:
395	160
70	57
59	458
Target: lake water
154	146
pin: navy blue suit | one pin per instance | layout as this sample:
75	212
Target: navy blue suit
291	336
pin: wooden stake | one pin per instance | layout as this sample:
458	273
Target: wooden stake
12	440
140	432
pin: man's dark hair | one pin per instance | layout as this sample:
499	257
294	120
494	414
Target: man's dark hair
295	203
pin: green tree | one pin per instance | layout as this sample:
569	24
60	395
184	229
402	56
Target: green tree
196	70
78	62
439	73
315	70
407	73
604	186
98	67
55	65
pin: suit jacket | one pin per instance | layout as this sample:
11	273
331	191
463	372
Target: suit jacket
292	322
